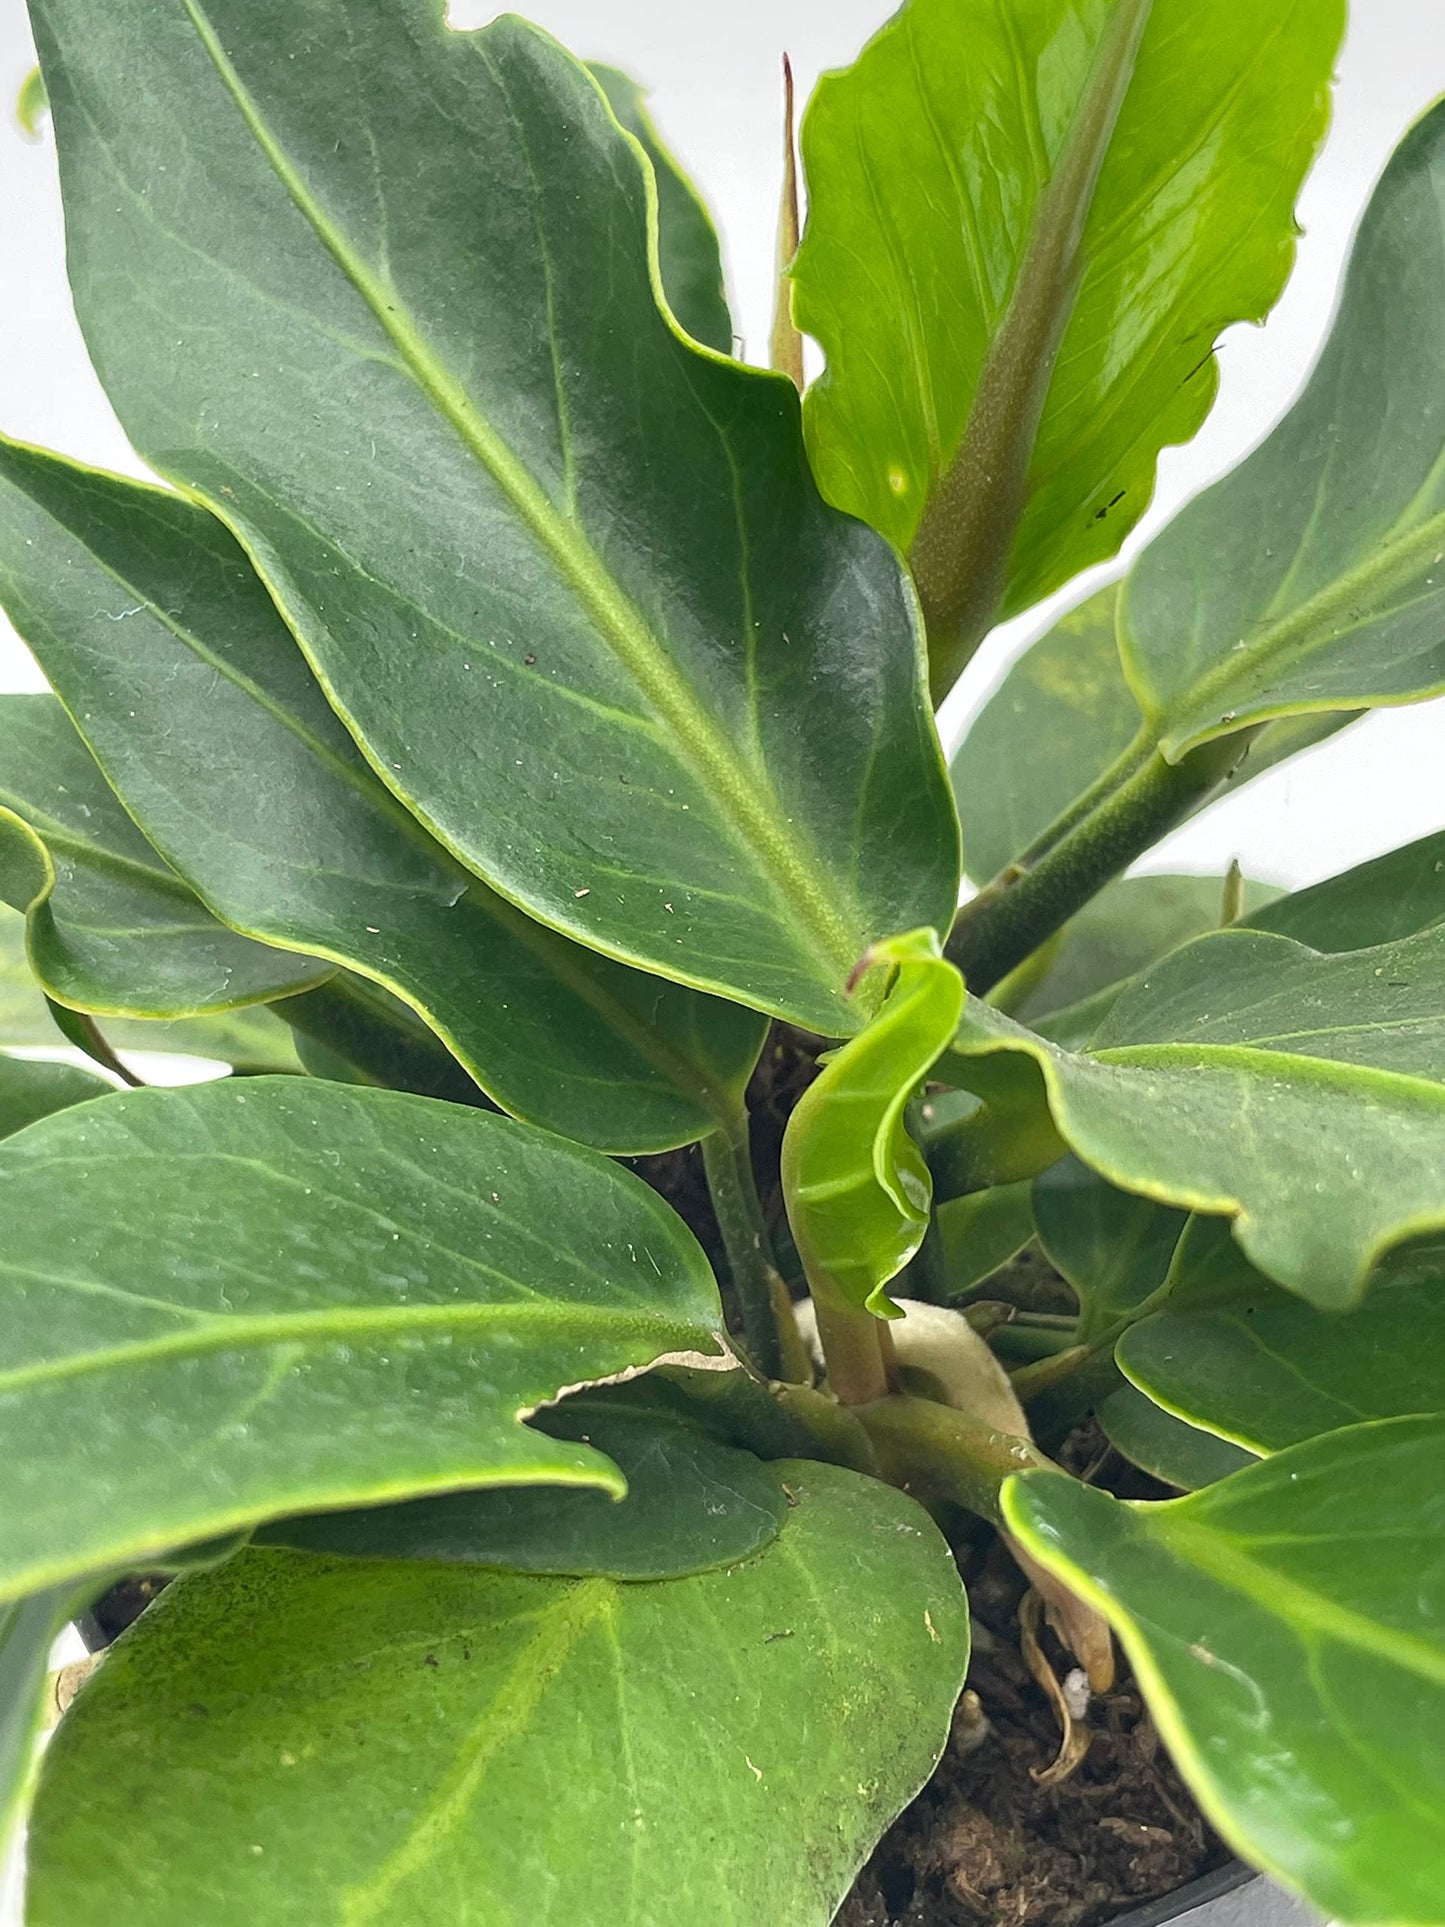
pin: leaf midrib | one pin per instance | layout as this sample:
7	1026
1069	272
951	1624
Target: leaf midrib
618	621
320	1328
1299	1606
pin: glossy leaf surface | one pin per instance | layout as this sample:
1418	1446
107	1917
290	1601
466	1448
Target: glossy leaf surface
564	574
110	927
332	1297
1313	577
201	689
1058	722
689	257
1159	1441
1253	1364
547	1749
692	1504
1114	1247
857	1189
31	1089
1287	1627
1302	1096
1027	228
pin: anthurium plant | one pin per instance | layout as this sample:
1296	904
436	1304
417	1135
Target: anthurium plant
502	734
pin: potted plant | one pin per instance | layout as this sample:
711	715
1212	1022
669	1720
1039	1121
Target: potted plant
654	1264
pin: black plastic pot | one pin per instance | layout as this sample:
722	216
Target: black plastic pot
1232	1896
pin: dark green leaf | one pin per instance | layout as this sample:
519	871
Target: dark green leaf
201	688
404	1741
1313	577
1164	1445
357	1033
1232	1353
564	574
980	1233
857	1189
332	1297
1060	721
1027	228
1303	1096
1377	902
1288	1629
110	927
30	1090
689	257
692	1505
1114	1248
28	1630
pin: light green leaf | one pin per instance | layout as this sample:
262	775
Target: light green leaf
201	691
1302	1096
31	103
1027	228
1162	1444
31	1089
110	928
28	1630
1233	1354
563	573
1313	578
857	1189
722	1749
1062	720
332	1297
689	257
1115	1248
1287	1627
692	1504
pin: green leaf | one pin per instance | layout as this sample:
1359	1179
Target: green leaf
202	687
980	1233
1287	1628
31	103
28	1630
400	1741
1130	924
1311	578
357	1033
253	1038
1379	901
1164	1445
1231	1353
1027	228
857	1189
692	1505
1061	721
563	573
1115	1248
333	1297
110	928
30	1090
689	257
1303	1096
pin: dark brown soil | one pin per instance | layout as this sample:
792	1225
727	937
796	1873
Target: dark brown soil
985	1846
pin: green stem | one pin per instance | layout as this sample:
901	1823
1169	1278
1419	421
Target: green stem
769	1333
857	1347
936	1452
1025	905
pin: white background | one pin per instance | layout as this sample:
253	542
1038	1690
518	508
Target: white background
714	71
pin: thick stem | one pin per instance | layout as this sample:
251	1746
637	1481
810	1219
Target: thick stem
761	1294
857	1347
1008	920
936	1452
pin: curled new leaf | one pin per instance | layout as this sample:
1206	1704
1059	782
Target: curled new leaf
857	1188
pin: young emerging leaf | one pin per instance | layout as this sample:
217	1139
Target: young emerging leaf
395	1736
1303	1096
1027	227
1286	1626
110	927
563	573
203	714
333	1297
857	1188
